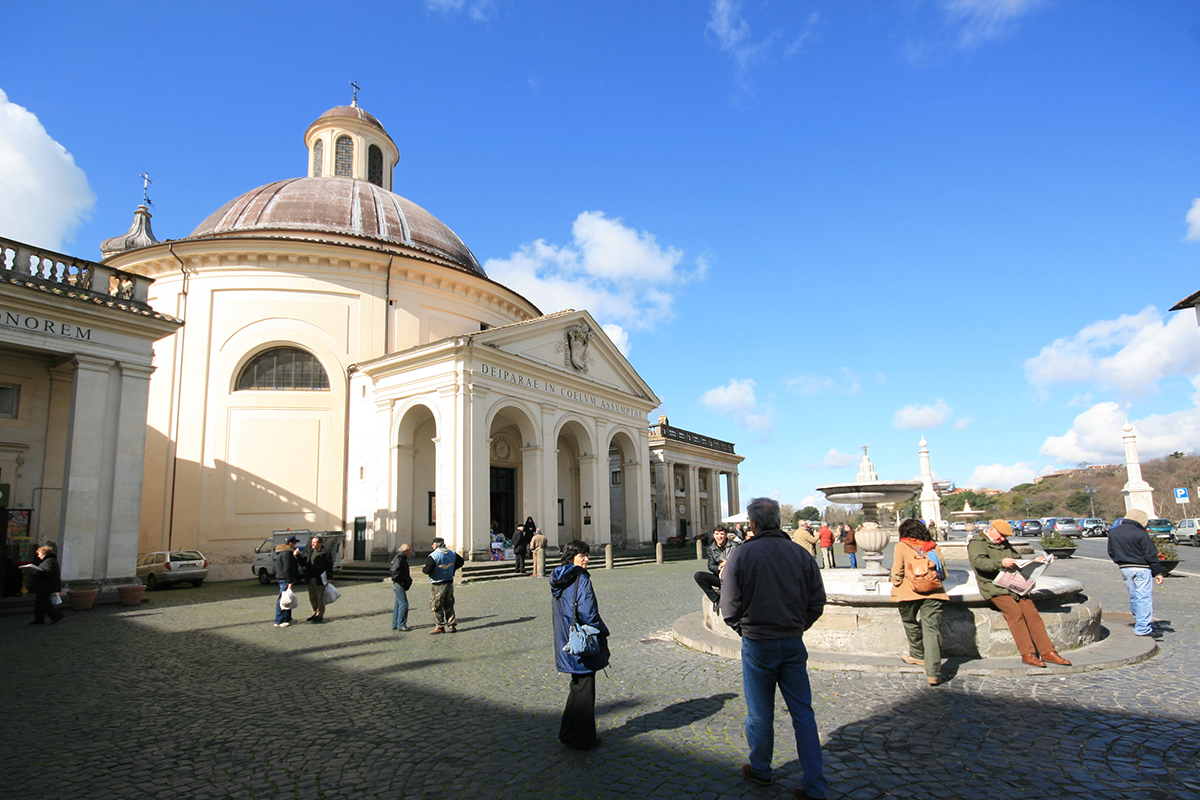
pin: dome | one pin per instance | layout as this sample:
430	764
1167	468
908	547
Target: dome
351	111
342	206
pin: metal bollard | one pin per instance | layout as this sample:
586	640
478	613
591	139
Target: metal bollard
608	556
658	553
699	550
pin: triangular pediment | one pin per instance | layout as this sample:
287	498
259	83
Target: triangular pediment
573	344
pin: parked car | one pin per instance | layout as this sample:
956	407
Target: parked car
1065	526
1093	526
958	526
264	554
1161	529
165	567
1017	526
1188	532
1031	527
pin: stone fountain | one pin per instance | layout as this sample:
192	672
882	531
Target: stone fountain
870	492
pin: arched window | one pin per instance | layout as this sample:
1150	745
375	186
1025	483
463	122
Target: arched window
284	368
318	158
375	165
343	158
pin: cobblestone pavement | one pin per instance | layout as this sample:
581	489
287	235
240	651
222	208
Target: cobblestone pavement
196	695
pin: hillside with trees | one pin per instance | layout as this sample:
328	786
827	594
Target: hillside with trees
1065	495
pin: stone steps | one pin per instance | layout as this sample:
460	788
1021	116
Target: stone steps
473	571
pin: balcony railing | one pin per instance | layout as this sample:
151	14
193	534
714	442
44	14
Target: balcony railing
662	431
59	272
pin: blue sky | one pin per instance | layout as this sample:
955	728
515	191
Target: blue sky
811	225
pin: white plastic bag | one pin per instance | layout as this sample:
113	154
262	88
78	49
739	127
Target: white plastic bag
331	593
56	599
288	600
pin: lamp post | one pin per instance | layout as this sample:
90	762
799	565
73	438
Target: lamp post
1026	507
1091	493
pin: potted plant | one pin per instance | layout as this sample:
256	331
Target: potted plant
81	594
1168	556
131	594
1057	545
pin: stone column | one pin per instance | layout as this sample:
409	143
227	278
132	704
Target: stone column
91	441
1138	493
128	460
549	510
49	511
672	502
589	492
403	504
693	499
735	501
477	483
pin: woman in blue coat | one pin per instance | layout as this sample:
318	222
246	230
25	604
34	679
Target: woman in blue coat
571	585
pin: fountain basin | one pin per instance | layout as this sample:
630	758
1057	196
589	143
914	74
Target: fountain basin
859	620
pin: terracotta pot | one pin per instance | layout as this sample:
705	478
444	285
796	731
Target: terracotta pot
131	595
82	599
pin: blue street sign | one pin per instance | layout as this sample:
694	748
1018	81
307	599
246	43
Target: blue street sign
1181	495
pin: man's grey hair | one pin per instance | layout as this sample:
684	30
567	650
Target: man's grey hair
764	512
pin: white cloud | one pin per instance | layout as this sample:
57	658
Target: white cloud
619	337
836	460
732	33
44	196
798	43
1130	354
980	20
921	417
809	384
622	276
1000	476
961	423
1095	435
477	10
739	401
1193	221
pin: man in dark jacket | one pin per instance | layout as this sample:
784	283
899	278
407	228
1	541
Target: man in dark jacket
718	552
1129	545
401	582
317	564
43	582
287	572
771	593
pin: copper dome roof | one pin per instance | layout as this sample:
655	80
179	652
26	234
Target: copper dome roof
352	111
342	206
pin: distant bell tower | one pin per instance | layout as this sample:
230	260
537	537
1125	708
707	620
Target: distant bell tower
347	142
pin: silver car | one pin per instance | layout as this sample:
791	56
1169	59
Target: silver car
1066	526
165	567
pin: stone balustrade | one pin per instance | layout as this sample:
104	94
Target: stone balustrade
664	431
57	271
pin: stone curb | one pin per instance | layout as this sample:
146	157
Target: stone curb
1119	647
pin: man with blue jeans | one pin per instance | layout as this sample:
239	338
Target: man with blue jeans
287	570
1129	545
771	593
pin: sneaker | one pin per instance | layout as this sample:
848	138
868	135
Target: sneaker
404	629
282	624
453	629
749	775
920	662
1152	634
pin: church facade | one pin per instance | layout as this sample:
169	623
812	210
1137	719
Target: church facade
347	365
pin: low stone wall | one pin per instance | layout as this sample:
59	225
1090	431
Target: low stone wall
971	626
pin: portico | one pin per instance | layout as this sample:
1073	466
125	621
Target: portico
686	480
526	418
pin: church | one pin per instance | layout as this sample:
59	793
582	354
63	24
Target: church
345	364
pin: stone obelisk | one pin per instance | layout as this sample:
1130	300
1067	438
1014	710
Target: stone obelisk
931	506
1138	493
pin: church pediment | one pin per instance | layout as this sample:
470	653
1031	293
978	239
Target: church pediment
573	344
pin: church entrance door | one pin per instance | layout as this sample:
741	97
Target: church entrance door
504	499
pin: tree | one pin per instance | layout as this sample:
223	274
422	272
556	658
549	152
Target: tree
810	513
1079	502
787	513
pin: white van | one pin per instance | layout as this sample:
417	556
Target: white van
264	554
1188	532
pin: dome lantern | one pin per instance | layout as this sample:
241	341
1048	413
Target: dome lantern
347	142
